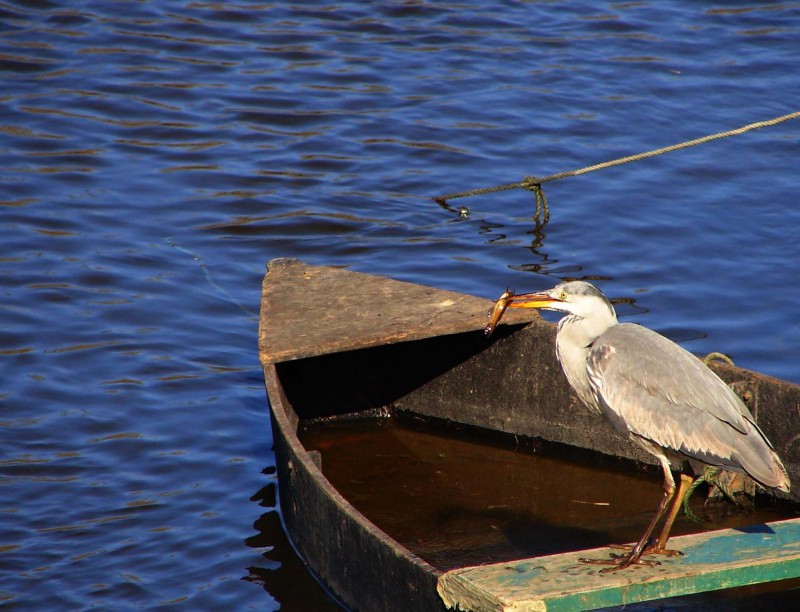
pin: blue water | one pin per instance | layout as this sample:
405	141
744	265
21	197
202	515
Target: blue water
155	155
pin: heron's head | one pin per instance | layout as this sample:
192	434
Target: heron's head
579	298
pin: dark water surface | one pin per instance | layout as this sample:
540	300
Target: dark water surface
155	155
456	500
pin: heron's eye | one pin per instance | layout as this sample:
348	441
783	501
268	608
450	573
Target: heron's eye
563	296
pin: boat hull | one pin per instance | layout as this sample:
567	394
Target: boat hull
511	385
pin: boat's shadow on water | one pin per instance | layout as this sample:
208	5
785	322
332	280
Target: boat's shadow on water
282	573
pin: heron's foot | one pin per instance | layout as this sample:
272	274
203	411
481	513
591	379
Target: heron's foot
618	562
653	548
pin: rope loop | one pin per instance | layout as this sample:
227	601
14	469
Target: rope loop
542	213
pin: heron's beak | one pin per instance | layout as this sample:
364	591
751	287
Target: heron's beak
533	300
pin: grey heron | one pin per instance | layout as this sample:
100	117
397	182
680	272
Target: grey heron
655	392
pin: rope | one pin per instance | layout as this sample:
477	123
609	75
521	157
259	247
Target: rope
535	184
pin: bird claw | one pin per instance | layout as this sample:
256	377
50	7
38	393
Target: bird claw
621	561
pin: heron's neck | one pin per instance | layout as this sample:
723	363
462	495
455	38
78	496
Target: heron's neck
573	343
582	332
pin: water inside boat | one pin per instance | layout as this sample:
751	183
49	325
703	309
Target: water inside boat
455	496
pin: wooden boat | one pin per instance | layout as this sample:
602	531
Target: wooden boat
334	343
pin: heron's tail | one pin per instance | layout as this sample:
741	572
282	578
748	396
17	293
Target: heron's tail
780	479
760	462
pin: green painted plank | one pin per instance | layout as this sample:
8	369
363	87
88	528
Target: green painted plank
712	560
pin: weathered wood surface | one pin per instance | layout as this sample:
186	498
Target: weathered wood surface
316	310
712	560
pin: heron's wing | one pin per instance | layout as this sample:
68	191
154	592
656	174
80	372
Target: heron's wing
653	388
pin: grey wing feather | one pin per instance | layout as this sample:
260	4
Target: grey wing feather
653	388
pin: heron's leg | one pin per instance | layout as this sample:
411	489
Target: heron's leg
660	545
618	562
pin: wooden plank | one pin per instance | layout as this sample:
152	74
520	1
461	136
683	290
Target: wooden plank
315	310
713	560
